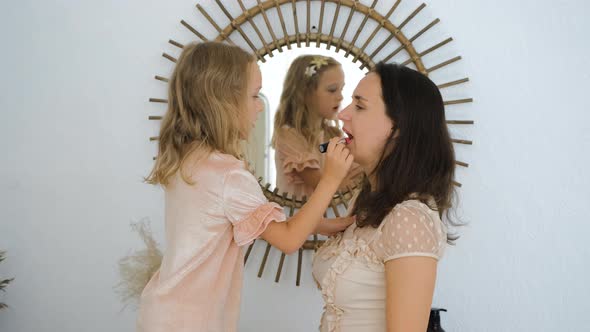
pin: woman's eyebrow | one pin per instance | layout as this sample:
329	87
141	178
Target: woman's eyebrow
360	98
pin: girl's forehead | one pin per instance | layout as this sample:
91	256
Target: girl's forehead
332	74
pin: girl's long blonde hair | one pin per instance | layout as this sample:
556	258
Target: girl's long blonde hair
206	93
294	110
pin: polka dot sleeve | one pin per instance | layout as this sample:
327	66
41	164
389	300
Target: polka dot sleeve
411	229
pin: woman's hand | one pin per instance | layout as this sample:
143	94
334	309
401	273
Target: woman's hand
329	227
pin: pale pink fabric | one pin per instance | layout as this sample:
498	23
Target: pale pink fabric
199	284
293	154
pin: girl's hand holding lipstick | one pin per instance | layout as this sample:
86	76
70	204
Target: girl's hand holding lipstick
337	163
324	146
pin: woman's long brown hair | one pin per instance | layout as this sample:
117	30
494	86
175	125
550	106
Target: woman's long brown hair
418	159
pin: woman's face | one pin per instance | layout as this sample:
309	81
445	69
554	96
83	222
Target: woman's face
326	99
366	122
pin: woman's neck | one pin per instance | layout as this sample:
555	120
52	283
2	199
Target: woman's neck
373	182
371	175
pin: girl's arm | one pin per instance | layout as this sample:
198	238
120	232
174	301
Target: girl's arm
331	226
311	177
409	289
290	235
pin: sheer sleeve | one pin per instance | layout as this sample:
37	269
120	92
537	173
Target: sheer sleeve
411	229
294	153
246	207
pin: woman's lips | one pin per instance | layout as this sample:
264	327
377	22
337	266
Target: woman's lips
324	146
350	136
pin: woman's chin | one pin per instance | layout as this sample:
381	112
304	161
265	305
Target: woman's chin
354	152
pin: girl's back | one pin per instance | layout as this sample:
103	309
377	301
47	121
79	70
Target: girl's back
194	212
206	223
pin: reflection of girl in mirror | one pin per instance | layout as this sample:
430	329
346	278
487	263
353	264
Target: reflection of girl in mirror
310	101
213	205
380	273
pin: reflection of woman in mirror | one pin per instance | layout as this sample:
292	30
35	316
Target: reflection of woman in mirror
310	101
380	273
213	205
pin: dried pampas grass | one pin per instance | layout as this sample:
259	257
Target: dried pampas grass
3	282
137	269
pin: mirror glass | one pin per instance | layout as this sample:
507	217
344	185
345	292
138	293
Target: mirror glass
260	152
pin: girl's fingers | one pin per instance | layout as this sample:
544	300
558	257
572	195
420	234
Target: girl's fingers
350	158
333	144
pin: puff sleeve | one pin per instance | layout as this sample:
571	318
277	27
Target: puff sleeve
411	229
246	207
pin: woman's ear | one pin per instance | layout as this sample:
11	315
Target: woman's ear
395	132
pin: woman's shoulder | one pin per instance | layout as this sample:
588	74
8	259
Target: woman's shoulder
413	202
416	212
412	228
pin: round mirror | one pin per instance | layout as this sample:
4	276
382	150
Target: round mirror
357	36
261	152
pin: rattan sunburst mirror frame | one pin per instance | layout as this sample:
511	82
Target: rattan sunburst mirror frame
281	39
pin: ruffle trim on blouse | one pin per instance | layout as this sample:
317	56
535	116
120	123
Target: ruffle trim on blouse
292	165
347	248
347	251
250	228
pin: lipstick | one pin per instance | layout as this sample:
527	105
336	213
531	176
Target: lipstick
324	146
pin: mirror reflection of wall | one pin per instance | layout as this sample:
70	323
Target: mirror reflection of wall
273	76
257	151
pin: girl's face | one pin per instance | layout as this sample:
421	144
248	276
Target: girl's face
254	104
366	122
325	100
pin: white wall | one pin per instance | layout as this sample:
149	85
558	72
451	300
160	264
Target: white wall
76	77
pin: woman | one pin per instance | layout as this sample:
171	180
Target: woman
379	275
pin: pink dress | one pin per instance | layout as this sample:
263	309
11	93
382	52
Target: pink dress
198	285
293	154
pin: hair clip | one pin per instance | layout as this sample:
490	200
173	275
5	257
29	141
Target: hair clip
316	63
319	61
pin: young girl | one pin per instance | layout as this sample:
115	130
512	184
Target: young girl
379	275
213	205
310	101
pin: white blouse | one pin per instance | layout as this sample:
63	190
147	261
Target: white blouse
349	268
